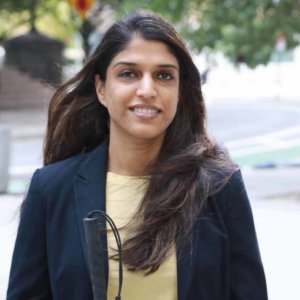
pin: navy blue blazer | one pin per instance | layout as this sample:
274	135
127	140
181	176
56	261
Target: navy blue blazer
50	256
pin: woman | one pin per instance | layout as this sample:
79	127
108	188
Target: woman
127	136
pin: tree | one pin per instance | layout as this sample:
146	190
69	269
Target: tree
55	18
52	17
244	30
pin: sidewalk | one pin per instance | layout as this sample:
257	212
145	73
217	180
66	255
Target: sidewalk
23	103
277	225
25	123
9	217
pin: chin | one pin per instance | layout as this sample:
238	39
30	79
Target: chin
148	136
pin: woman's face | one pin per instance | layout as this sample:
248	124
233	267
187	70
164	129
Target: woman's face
141	91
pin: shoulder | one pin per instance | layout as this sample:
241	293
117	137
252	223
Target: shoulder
62	168
59	176
49	177
233	194
233	183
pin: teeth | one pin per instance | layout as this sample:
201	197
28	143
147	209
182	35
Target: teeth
145	111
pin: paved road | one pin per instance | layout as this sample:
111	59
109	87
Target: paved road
257	133
238	120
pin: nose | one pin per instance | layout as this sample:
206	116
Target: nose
146	88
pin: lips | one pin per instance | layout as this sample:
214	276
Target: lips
145	111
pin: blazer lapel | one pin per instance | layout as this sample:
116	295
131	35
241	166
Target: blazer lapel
89	188
184	274
186	262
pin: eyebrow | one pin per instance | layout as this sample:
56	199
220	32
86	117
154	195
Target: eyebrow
134	65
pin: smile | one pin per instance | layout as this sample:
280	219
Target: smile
145	112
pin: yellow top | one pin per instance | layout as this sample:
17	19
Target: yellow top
123	196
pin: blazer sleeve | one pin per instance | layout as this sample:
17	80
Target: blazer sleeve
29	272
247	279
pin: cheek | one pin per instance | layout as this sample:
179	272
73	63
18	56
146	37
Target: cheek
110	100
118	94
112	109
115	106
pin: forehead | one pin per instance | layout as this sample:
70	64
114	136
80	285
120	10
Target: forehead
141	51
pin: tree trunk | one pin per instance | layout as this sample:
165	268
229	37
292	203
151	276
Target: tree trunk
85	30
32	11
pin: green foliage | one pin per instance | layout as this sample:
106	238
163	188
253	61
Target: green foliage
55	18
51	17
15	5
244	30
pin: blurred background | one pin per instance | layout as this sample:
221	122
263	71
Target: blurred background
248	55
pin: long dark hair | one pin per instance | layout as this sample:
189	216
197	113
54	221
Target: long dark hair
189	164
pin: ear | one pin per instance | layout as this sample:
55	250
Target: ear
99	86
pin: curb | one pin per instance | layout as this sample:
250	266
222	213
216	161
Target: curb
273	165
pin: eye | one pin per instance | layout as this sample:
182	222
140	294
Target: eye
165	76
127	74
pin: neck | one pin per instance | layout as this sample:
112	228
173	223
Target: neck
132	158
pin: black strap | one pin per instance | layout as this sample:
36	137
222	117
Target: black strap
93	227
